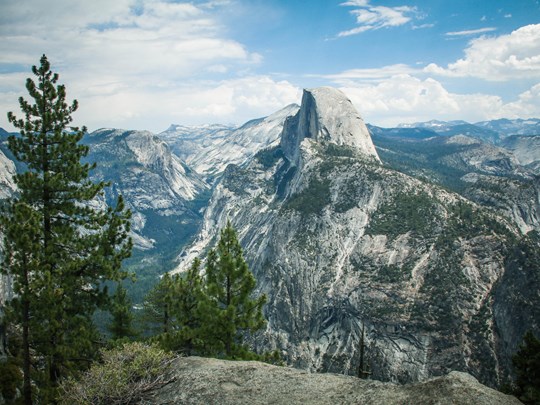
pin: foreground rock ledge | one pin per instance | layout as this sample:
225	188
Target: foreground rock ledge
199	380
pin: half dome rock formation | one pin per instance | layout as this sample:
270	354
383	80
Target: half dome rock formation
342	244
326	116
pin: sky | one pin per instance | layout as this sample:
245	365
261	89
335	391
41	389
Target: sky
147	64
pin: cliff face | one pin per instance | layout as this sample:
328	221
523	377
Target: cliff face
209	149
326	116
196	381
340	242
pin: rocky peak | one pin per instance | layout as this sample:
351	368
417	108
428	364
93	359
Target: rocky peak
326	116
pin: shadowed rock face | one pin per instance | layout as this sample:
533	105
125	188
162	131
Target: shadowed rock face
210	381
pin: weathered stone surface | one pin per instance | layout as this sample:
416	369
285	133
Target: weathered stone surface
211	381
326	116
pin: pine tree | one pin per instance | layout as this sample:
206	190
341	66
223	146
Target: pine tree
527	367
122	316
58	249
231	311
187	299
156	314
172	310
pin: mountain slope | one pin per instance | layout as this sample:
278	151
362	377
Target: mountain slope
208	150
154	183
490	175
341	243
526	149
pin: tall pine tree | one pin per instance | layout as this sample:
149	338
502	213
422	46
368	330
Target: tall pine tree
121	326
172	311
58	248
232	311
187	298
156	315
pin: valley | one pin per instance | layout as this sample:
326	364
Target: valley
424	236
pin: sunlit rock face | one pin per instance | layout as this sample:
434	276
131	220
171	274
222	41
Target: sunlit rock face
339	243
326	116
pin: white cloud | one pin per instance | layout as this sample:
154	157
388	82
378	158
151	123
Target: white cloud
506	57
470	32
374	74
370	17
124	59
404	98
227	101
526	106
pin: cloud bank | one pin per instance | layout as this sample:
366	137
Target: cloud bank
370	17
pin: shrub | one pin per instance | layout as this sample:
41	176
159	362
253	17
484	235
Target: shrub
123	376
10	379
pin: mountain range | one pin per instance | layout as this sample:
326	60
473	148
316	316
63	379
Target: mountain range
422	237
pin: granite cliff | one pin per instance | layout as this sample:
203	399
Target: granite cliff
341	242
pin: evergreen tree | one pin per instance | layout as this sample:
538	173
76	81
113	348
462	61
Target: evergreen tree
122	316
187	298
58	248
527	367
231	311
171	310
156	314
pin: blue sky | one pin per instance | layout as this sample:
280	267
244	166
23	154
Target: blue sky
140	64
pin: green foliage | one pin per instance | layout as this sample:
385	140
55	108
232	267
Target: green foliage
123	376
334	150
466	221
156	313
390	273
208	316
313	198
57	247
10	379
185	299
230	311
406	212
527	367
122	315
269	157
424	158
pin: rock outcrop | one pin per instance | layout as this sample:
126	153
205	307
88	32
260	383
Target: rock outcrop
209	149
327	116
197	380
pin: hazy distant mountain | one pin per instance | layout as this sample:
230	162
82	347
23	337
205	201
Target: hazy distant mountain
404	132
209	149
452	128
508	127
492	131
